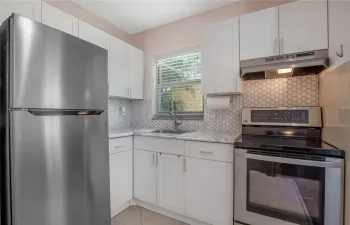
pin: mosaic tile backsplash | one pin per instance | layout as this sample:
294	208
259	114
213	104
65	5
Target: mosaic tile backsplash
283	92
116	119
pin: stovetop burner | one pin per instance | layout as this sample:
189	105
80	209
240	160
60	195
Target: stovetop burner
287	144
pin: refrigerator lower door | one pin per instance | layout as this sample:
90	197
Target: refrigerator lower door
60	171
54	70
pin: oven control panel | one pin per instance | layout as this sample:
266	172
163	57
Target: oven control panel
292	116
280	116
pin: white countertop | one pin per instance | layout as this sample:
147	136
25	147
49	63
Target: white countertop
205	136
124	132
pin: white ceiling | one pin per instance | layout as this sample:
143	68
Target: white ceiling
134	16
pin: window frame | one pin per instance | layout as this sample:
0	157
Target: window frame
194	115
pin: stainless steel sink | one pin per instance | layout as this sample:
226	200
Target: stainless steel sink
170	131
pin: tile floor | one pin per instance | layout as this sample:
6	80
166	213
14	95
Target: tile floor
136	215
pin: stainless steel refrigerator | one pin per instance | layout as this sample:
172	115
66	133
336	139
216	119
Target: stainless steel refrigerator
54	128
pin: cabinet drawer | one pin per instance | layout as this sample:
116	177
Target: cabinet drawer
120	144
163	145
212	151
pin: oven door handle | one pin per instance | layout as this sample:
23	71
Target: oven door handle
337	163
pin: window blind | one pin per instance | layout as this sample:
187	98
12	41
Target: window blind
178	78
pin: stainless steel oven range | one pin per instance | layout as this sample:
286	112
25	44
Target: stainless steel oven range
284	173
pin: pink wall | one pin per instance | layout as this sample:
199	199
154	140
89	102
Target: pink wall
334	89
88	17
186	33
172	37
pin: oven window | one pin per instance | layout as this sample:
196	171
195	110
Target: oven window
287	192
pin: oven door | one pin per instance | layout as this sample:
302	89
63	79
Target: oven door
286	190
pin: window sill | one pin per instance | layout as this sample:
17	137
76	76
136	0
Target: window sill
178	117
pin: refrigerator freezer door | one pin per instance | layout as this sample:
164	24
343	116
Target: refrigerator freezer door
54	70
60	169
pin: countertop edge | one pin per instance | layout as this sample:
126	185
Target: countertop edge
179	137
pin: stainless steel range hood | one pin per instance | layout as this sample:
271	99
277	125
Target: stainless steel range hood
296	64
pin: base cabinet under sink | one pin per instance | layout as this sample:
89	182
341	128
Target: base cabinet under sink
195	187
170	183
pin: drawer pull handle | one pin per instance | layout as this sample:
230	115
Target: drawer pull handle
206	153
185	165
118	146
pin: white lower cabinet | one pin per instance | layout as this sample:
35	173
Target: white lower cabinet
209	191
170	183
145	176
198	184
120	165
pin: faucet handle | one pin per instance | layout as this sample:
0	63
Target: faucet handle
171	107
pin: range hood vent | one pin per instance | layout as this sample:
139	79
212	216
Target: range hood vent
296	64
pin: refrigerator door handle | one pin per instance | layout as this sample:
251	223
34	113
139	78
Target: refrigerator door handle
60	112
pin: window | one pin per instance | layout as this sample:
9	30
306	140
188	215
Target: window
178	80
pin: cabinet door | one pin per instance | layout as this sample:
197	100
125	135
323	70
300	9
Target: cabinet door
135	73
93	35
29	9
145	176
59	20
220	58
170	183
259	34
209	191
120	165
339	31
118	67
303	26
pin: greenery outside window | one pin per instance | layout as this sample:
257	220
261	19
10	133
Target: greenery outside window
178	79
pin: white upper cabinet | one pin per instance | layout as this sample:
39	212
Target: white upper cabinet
294	27
339	31
220	58
303	26
136	72
170	183
125	70
118	67
93	35
58	19
209	191
26	8
145	176
259	34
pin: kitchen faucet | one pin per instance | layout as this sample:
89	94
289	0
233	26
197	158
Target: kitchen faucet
172	111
